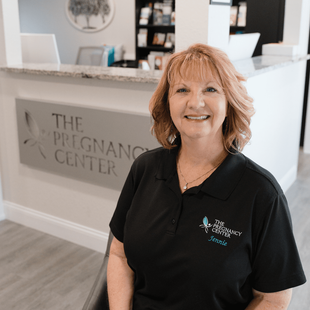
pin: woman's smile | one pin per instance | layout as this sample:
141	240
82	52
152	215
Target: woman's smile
198	108
197	118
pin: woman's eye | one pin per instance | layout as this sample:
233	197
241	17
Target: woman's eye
211	90
182	90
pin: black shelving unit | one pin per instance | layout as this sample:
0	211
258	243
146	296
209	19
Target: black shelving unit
143	52
237	29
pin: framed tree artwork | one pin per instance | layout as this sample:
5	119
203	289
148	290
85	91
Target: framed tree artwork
90	15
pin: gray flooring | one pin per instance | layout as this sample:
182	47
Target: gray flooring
42	272
298	197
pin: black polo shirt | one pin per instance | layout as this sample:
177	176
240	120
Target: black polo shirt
208	247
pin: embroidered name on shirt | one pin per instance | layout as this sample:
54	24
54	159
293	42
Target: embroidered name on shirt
221	242
219	228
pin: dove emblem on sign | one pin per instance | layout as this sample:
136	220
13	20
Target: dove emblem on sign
37	136
205	224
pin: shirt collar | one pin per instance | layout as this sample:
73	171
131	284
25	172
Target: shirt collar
167	165
226	177
222	181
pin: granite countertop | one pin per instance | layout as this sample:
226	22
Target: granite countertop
248	67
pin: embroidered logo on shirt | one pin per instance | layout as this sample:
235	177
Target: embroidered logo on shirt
205	224
219	228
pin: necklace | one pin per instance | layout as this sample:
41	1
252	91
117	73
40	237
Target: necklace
186	183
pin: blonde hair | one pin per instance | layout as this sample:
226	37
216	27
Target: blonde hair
194	64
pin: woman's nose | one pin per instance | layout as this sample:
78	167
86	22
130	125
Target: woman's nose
196	101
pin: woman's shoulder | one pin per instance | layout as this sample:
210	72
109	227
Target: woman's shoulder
262	178
149	155
149	159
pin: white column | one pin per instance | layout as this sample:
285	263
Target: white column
200	22
219	26
191	24
10	45
296	24
10	50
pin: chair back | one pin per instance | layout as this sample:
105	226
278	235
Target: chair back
98	295
90	56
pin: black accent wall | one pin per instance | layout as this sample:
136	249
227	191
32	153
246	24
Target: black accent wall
267	18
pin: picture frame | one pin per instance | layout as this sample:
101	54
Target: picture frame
89	16
221	2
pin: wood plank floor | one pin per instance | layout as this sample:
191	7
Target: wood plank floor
42	272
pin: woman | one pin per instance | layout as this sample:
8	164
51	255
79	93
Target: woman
198	225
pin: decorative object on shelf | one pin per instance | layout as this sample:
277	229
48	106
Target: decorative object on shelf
221	2
159	38
90	15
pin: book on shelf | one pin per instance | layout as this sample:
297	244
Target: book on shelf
143	64
158	13
142	37
159	38
233	15
170	40
167	10
145	14
173	18
157	53
158	60
242	14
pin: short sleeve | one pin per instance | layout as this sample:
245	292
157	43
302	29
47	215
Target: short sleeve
276	264
124	202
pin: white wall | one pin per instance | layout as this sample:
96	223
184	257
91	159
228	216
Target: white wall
46	16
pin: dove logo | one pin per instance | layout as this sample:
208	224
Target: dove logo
205	224
37	136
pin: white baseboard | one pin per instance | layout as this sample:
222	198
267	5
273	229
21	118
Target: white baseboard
81	235
2	216
306	149
289	178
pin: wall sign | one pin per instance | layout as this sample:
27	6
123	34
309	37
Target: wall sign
90	15
221	2
91	145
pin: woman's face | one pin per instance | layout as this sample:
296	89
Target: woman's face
198	108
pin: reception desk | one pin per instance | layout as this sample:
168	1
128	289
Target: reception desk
78	210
